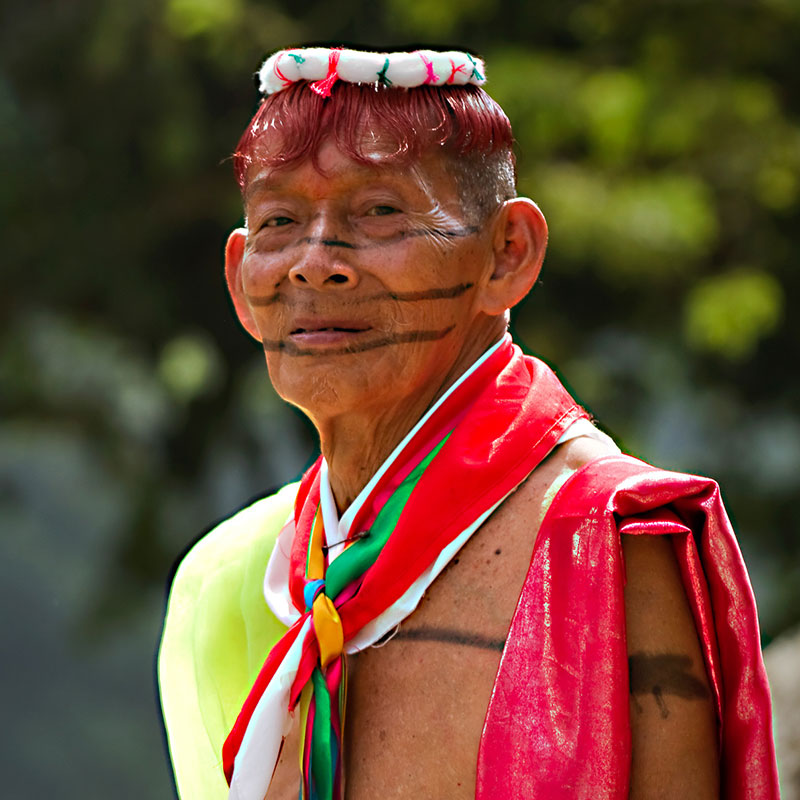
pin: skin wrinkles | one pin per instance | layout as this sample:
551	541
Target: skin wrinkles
429	219
663	674
444	233
410	337
439	293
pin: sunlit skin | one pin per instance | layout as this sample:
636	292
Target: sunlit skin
370	293
352	335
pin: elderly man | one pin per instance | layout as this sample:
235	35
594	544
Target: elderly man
497	601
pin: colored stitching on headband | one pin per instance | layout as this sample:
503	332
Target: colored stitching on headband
475	71
382	74
432	77
286	82
454	69
323	87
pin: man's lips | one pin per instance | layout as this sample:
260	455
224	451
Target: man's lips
326	331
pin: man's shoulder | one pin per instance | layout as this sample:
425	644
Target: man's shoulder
578	452
593	476
635	485
536	493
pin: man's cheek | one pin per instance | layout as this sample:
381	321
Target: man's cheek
416	312
261	278
435	315
270	320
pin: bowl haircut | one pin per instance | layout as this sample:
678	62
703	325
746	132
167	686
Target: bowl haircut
463	123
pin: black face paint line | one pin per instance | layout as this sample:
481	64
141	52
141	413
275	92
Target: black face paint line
289	348
663	674
443	233
326	242
450	636
443	293
262	301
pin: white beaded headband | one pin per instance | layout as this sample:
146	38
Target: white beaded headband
323	66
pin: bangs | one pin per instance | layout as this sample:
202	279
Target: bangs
290	126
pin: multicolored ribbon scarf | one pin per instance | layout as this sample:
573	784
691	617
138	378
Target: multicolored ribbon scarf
476	447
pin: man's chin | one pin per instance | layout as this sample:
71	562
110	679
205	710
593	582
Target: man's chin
322	386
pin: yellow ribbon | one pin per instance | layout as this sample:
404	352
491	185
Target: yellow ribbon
327	623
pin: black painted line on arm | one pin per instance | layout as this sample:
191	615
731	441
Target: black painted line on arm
662	674
451	636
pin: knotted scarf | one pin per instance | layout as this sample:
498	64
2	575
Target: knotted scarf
474	447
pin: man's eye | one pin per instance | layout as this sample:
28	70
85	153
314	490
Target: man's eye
381	211
277	222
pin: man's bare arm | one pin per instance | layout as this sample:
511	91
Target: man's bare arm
673	722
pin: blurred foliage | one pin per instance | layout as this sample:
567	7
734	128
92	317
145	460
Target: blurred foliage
728	314
662	141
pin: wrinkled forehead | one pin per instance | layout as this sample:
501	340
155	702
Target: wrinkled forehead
376	158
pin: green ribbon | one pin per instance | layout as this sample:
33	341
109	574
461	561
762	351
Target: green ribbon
352	563
323	744
360	556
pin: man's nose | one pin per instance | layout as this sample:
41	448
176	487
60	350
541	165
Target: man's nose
323	264
323	274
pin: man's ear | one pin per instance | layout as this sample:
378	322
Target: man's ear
234	255
519	242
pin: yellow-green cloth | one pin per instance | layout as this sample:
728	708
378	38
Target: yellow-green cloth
217	633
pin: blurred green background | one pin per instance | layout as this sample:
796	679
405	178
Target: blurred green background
662	141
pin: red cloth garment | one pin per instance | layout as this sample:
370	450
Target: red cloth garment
558	720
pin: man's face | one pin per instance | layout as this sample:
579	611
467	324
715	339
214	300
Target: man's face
362	282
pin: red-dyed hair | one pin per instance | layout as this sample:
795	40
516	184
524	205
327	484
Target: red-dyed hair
464	121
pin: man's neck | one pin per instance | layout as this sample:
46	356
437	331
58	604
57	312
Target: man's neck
356	444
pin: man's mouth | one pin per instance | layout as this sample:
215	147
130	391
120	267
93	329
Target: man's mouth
326	333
